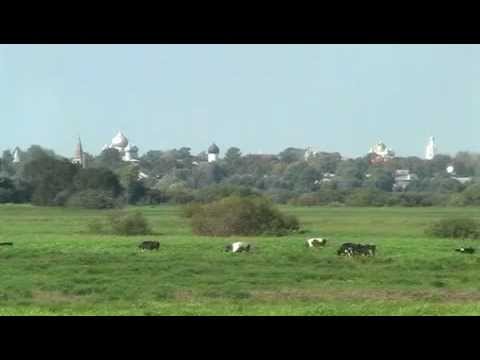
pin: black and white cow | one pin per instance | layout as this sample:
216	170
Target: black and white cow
466	250
315	242
149	245
346	249
350	249
368	250
237	247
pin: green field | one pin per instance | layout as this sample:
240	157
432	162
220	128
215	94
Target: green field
56	268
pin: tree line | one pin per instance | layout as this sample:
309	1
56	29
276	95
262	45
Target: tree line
44	178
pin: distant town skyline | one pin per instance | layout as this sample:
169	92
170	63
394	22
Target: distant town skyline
259	98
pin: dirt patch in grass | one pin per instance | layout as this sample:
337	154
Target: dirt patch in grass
54	297
184	295
367	295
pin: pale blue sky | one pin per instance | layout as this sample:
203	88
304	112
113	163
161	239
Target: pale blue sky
256	97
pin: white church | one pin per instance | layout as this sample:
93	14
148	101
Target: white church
120	143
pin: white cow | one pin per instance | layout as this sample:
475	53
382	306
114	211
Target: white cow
238	246
315	242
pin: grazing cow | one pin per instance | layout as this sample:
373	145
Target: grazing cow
347	249
315	242
6	244
365	250
238	246
149	245
466	250
350	249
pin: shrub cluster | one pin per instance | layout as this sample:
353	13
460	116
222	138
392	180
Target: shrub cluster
236	215
122	223
90	199
456	228
374	197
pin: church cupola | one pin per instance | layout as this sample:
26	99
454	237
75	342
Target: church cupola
213	152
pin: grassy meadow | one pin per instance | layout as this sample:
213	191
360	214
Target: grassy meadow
56	267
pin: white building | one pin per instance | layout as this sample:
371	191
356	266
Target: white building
402	179
327	177
142	175
120	143
431	149
213	152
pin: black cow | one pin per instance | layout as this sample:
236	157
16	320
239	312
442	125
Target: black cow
466	250
149	245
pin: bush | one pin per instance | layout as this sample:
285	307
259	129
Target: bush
6	195
459	228
153	197
470	196
413	199
279	196
456	200
92	199
129	224
179	196
309	199
217	192
367	197
321	197
62	197
190	209
241	216
121	223
336	204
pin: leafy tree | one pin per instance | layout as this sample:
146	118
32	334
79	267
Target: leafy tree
109	158
206	174
101	179
6	163
7	190
242	180
471	195
48	177
233	159
380	178
325	162
302	176
290	155
352	169
439	163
